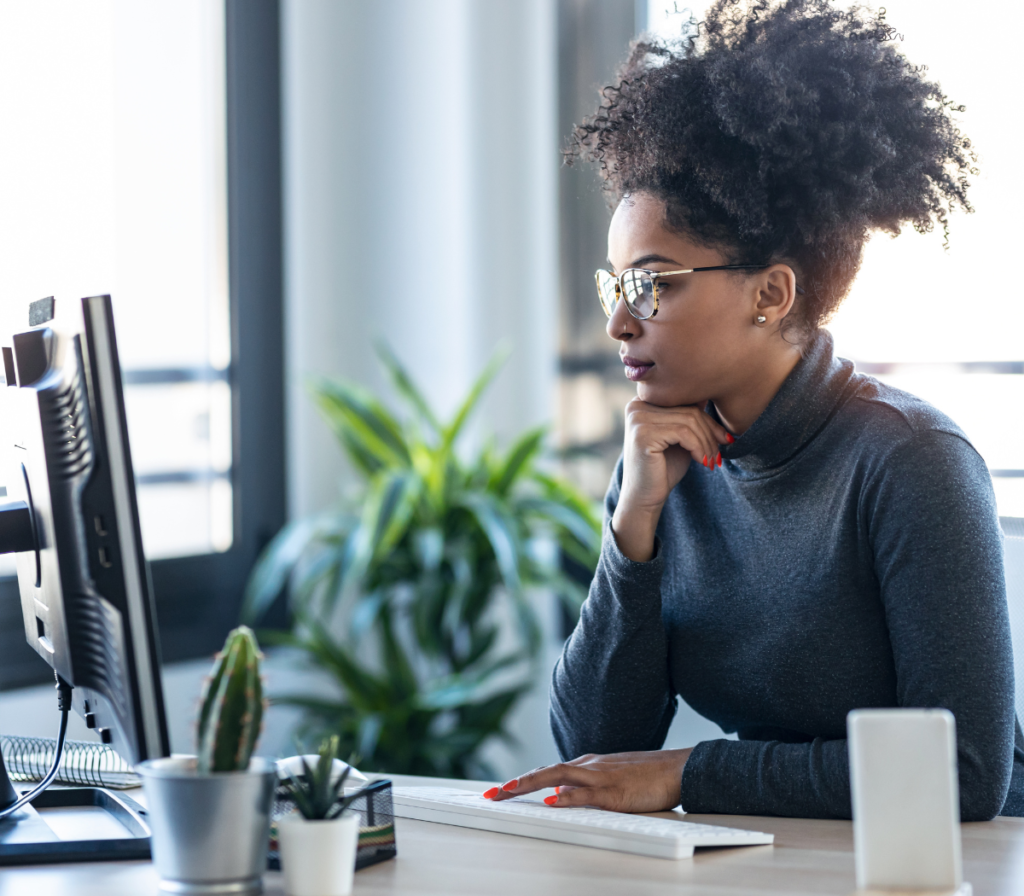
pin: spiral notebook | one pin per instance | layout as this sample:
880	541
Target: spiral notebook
83	764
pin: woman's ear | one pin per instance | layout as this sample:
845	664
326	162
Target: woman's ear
776	293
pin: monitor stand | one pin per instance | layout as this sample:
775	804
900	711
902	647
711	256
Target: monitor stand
27	839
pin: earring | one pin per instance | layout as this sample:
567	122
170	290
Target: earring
760	319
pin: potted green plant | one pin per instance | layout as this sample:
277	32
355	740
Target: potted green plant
318	841
414	594
210	813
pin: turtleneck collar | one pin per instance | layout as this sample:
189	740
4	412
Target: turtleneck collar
799	409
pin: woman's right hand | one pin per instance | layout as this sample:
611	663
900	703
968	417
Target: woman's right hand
660	445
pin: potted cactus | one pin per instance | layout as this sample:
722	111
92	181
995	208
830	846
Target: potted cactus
318	842
210	813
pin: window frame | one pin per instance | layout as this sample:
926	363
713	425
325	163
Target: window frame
198	598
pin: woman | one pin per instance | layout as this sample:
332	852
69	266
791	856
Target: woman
786	539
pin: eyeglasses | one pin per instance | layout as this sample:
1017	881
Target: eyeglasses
640	287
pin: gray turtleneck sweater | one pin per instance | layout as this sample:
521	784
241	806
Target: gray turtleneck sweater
847	554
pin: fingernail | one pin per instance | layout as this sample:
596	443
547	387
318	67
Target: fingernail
719	459
491	794
551	800
730	437
512	785
705	461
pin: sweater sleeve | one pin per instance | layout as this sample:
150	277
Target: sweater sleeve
610	689
931	521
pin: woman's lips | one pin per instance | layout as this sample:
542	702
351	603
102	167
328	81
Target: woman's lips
636	369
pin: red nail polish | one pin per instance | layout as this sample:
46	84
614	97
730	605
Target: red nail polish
730	437
705	461
512	785
558	790
551	800
491	794
719	458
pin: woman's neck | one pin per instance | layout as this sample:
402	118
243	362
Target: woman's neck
742	404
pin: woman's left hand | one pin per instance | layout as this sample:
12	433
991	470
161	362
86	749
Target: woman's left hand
622	782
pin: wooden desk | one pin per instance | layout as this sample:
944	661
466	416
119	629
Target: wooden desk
809	857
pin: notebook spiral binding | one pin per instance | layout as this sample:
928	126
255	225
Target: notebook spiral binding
84	764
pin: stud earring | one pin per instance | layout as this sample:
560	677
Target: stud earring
761	319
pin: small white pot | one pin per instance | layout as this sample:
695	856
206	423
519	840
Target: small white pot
318	857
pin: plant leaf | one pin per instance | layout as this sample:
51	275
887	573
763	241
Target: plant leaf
564	493
356	416
364	690
566	517
364	614
500	531
519	458
386	496
405	387
396	664
454	691
275	565
452	430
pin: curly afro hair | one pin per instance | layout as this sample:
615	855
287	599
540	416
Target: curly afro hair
782	129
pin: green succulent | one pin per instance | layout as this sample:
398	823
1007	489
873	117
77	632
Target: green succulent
414	595
314	794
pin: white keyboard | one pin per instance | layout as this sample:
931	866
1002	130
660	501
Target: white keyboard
660	837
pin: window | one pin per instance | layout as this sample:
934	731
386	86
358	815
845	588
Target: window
145	138
947	325
120	147
944	325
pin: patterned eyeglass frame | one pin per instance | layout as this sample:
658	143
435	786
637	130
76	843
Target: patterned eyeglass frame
655	276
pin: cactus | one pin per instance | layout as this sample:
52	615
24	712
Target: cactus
231	710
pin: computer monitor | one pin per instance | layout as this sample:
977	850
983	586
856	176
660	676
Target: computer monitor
72	520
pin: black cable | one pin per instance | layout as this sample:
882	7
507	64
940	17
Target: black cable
64	705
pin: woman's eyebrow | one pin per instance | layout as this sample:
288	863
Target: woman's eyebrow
655	259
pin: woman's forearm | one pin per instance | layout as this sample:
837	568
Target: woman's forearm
610	690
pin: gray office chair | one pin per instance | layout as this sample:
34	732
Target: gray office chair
1013	547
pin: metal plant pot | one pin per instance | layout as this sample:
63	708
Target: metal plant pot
210	832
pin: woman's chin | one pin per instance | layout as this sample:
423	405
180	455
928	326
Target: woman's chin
662	397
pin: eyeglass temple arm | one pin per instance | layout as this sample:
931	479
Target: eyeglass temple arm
725	267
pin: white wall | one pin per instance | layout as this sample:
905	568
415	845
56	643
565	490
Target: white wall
420	163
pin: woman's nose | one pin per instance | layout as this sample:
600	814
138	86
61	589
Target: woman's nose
621	325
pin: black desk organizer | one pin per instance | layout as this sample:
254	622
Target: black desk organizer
376	825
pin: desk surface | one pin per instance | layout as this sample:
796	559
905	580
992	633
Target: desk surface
809	857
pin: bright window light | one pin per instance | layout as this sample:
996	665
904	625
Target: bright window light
114	159
948	326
